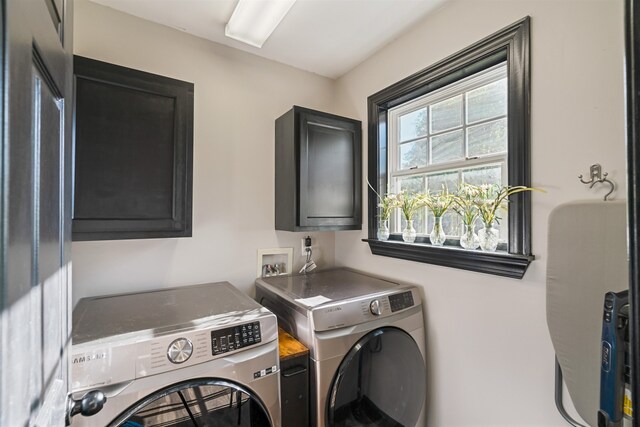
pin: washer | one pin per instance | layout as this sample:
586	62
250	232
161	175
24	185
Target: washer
367	345
192	355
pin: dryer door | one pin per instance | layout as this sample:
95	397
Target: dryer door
381	382
199	402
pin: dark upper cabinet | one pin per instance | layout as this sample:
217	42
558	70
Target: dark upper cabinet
133	153
318	171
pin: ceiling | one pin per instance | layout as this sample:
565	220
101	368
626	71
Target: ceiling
327	37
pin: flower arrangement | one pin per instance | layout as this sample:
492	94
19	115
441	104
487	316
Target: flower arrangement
439	203
470	202
409	203
386	204
464	203
492	197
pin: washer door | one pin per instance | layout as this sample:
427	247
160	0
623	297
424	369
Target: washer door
381	382
197	403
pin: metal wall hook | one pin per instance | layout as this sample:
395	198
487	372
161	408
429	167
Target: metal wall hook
597	176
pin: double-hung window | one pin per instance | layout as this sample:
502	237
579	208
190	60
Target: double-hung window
453	135
463	120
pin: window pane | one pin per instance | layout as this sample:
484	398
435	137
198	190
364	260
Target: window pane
413	184
447	147
413	125
487	138
487	101
446	114
447	179
483	175
413	154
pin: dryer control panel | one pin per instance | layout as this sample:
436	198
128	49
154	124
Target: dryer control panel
349	312
401	301
229	339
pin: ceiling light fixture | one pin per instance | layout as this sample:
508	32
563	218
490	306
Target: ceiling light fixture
253	21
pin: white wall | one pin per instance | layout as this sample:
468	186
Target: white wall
490	359
237	98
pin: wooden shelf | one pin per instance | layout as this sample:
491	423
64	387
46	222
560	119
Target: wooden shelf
289	346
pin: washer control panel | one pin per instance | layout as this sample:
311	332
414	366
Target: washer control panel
229	339
179	350
131	356
401	301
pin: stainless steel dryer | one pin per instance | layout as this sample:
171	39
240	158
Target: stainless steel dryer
367	345
204	355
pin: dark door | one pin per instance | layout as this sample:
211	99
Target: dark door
35	211
330	161
632	63
197	403
381	382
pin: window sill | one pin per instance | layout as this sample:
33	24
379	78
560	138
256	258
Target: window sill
498	263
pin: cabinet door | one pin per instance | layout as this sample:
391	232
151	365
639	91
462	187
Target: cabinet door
133	153
330	171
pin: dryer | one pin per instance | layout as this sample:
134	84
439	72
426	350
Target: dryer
192	355
367	345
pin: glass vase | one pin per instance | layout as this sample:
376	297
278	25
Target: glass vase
437	235
383	229
409	233
469	239
488	236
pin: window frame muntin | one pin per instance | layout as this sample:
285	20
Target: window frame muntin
511	43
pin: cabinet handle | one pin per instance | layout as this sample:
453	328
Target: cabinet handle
293	371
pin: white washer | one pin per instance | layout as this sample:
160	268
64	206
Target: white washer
185	356
367	345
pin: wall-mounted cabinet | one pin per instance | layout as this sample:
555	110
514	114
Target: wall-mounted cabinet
318	171
133	153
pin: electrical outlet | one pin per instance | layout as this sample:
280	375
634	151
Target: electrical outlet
305	244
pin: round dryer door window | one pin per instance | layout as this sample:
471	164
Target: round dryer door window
197	403
381	382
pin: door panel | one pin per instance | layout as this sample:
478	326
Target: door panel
35	213
330	154
329	169
55	12
49	148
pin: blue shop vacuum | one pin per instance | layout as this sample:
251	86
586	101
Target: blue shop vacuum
615	397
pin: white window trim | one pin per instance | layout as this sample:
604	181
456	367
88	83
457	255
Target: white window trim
459	88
